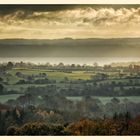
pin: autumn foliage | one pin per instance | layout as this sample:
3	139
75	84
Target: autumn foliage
109	126
83	127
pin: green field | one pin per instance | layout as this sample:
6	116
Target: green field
104	100
12	79
4	98
59	76
23	87
55	75
52	75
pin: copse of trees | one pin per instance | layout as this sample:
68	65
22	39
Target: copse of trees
73	110
37	81
122	125
37	128
29	116
32	76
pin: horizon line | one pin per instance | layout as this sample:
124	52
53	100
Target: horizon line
69	38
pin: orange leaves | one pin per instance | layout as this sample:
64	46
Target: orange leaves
83	127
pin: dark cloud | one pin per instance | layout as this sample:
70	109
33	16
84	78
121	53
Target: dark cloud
8	9
75	21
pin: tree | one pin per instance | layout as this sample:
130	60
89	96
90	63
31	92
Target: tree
83	127
95	64
10	65
66	80
115	100
1	88
37	128
72	65
19	74
1	80
134	127
60	65
99	76
12	130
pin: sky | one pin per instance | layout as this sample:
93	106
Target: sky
69	21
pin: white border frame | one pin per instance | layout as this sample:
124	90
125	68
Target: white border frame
69	1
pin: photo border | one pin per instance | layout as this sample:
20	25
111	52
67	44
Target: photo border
69	1
2	2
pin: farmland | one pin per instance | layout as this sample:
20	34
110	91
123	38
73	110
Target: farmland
63	93
56	75
93	81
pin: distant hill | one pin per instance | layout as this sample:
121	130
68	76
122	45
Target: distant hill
93	47
124	64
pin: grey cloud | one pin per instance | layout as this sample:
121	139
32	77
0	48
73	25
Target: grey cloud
103	16
71	20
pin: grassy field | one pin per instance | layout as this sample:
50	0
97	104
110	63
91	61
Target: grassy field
12	79
23	87
4	98
104	100
59	76
52	74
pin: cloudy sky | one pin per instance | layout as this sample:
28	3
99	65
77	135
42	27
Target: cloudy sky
69	21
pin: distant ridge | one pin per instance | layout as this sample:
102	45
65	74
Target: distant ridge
125	64
68	47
